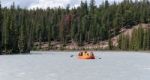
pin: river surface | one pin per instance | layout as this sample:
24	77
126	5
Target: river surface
61	66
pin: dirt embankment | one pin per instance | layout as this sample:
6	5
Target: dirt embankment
100	45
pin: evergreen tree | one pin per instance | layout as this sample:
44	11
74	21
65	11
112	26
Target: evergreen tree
120	42
110	44
146	40
92	6
140	37
1	22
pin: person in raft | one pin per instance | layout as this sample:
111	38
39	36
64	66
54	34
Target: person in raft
86	55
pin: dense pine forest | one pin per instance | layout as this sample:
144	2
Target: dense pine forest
22	30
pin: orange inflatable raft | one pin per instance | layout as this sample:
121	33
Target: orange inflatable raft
86	55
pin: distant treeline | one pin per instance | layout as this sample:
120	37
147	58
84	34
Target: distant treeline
20	28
